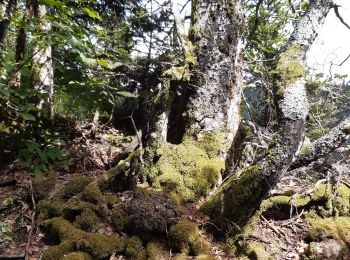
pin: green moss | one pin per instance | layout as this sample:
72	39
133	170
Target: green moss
74	187
201	247
77	256
185	170
289	67
92	193
212	143
49	209
342	201
72	239
119	218
42	185
58	251
181	257
134	249
154	251
111	200
87	220
205	257
257	251
335	227
183	235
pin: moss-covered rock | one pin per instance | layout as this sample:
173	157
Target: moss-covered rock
200	247
72	239
87	220
77	256
73	187
256	250
154	251
48	209
42	185
120	218
134	249
92	193
183	235
205	257
335	227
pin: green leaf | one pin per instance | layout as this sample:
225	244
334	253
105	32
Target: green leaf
28	117
92	13
104	63
87	61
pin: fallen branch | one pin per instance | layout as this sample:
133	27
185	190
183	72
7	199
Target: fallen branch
32	226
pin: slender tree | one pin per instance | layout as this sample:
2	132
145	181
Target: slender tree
42	67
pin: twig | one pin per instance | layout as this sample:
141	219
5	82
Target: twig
272	227
138	134
4	257
32	226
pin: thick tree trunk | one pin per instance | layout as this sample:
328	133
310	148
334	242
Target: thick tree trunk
216	33
237	200
42	67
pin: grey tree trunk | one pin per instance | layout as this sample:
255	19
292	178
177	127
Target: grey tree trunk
237	200
216	33
42	67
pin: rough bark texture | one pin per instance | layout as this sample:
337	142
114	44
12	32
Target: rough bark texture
42	67
217	27
15	81
324	145
4	24
240	198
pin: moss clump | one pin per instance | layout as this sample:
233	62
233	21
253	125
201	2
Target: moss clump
201	247
134	249
72	239
212	144
183	235
335	227
205	257
120	218
341	202
87	220
74	187
49	209
185	170
111	200
154	251
77	256
92	193
42	185
256	250
181	257
289	67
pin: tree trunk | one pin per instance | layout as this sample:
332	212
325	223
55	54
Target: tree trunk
4	23
237	200
42	67
216	34
15	81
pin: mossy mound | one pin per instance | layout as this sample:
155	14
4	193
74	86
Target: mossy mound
87	220
73	187
183	235
77	256
155	251
71	239
43	185
334	227
201	247
185	170
148	213
134	249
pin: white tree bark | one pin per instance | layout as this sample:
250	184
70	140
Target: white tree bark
42	67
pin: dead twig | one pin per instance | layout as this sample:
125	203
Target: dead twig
32	226
271	226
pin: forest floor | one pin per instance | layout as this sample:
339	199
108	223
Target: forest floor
89	156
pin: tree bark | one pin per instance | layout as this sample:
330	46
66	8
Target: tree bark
324	145
4	23
237	200
15	81
42	67
216	33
